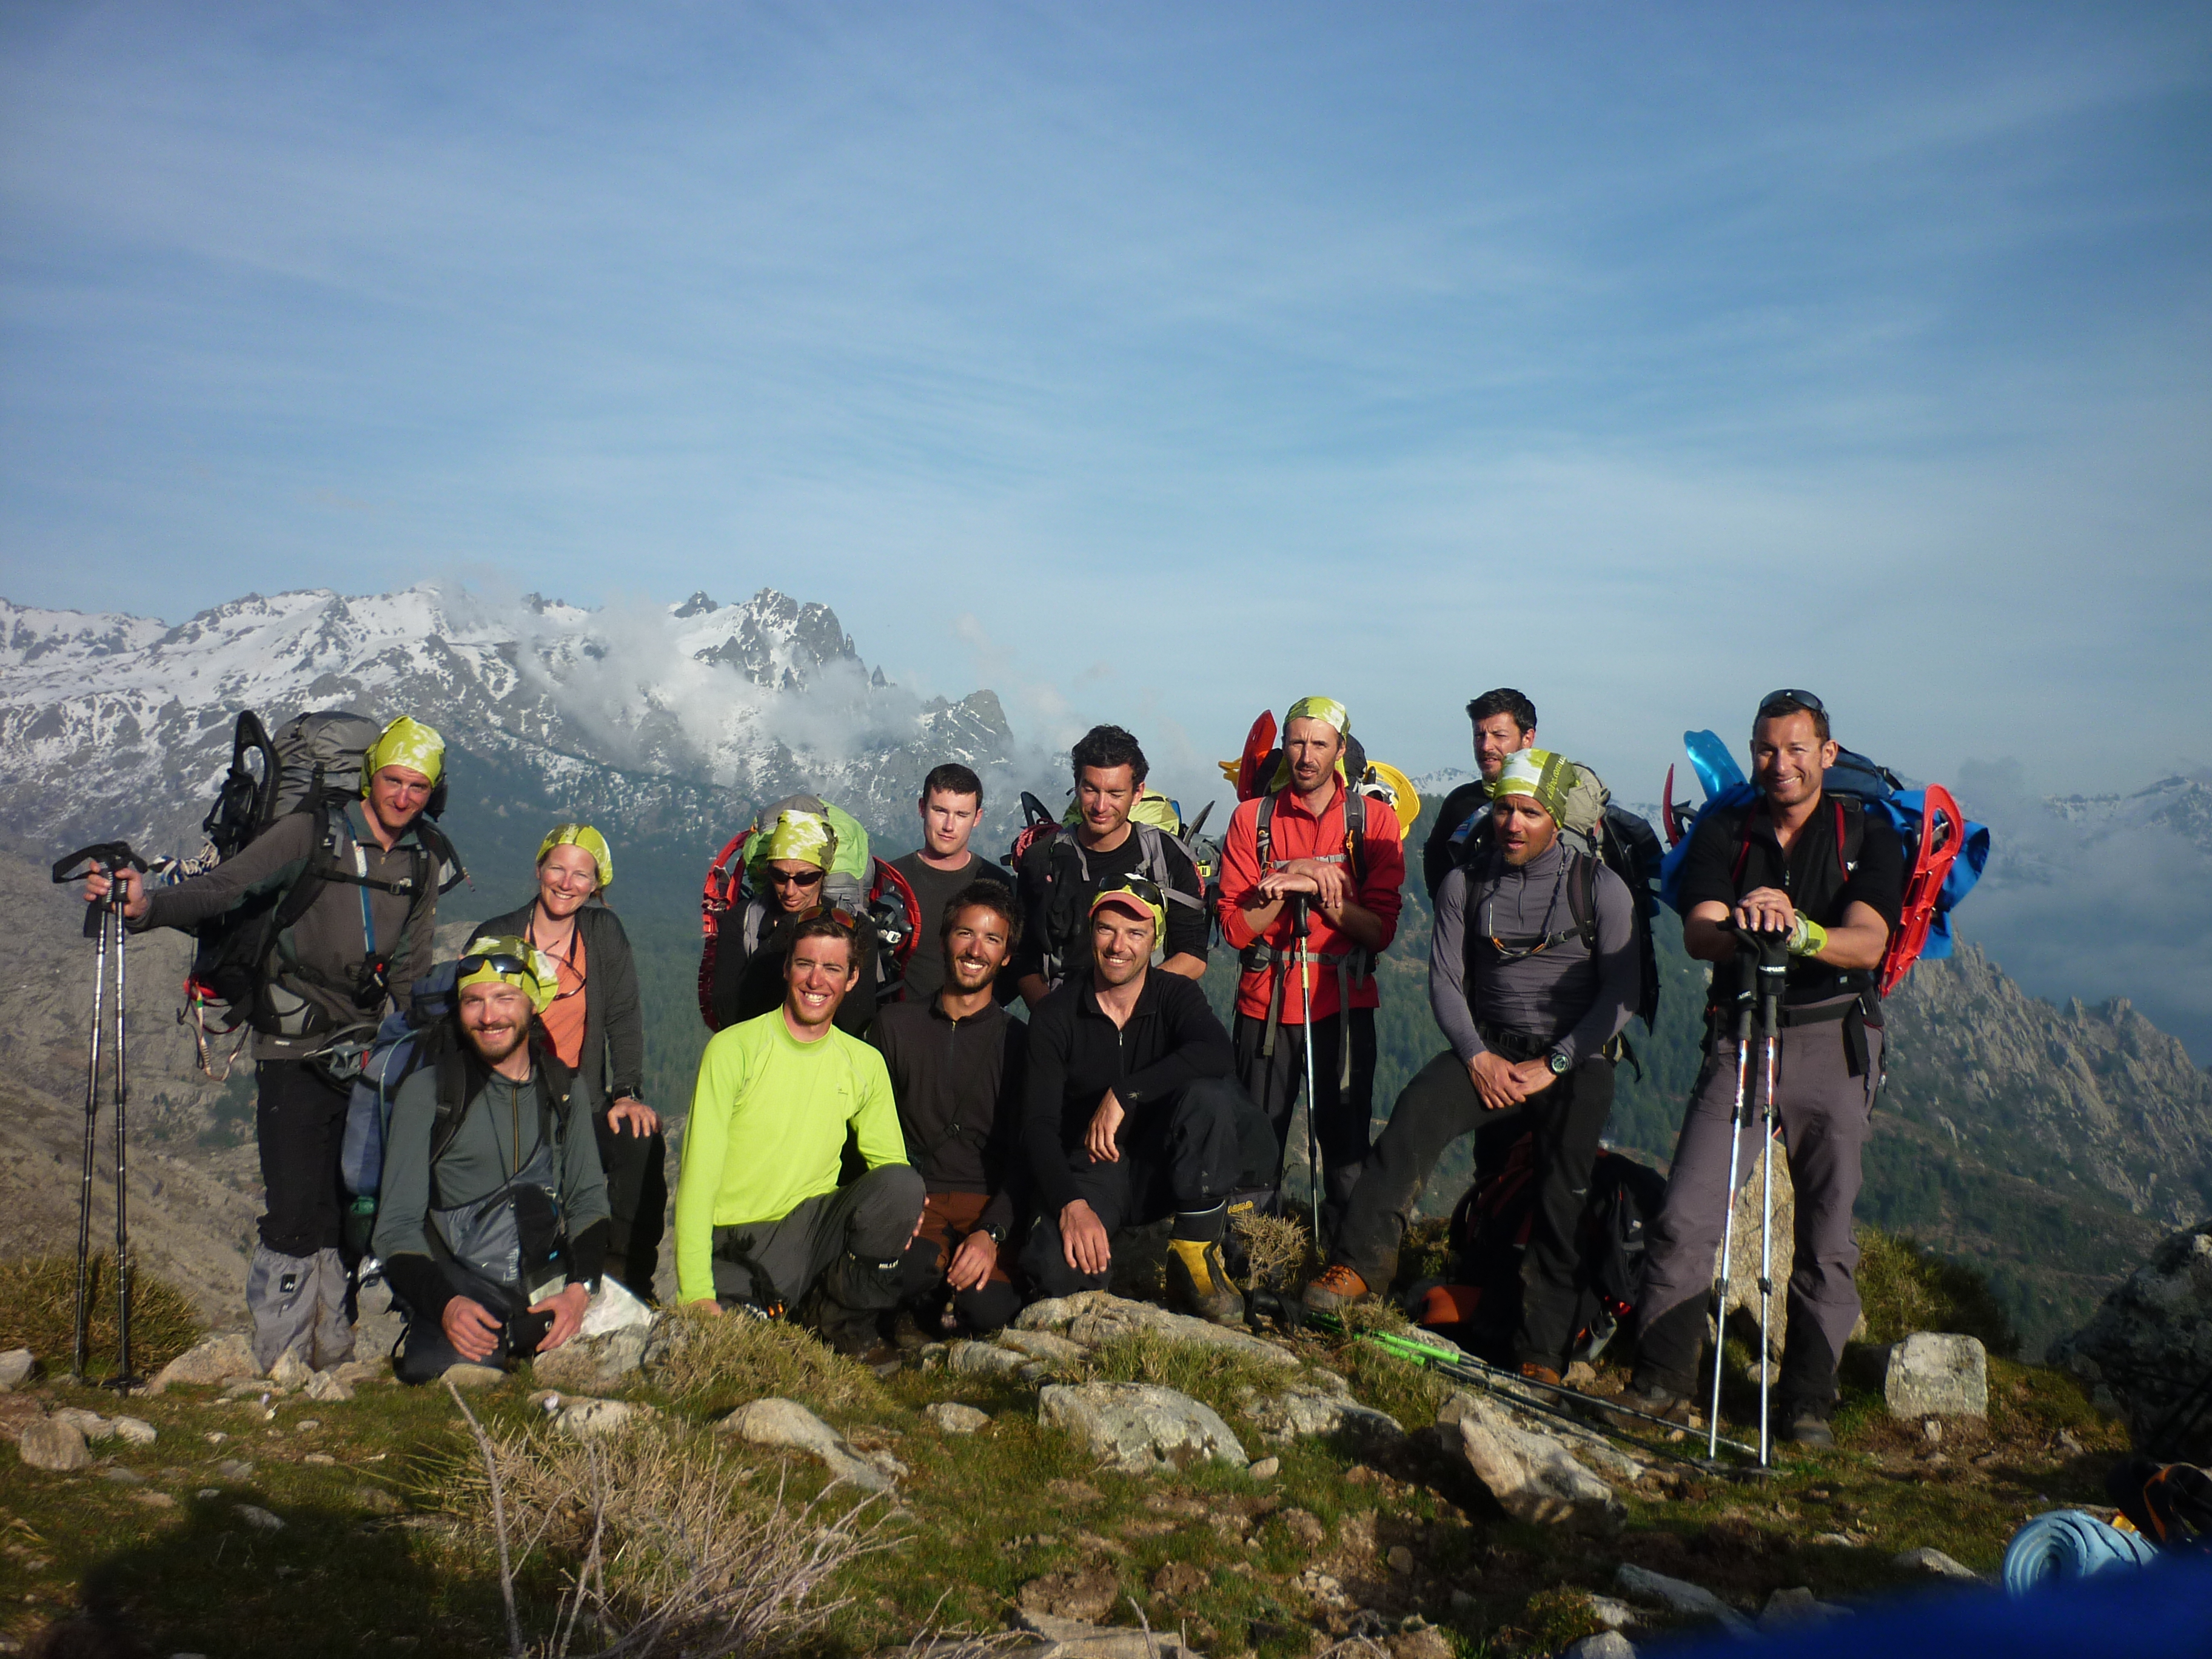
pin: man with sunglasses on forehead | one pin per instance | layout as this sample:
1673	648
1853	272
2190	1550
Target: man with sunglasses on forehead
1796	860
491	1219
1132	1115
763	1226
1533	974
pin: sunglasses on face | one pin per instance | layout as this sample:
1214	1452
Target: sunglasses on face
784	878
1778	702
501	963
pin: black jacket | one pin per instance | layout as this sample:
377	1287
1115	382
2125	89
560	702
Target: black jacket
958	1084
611	1063
1075	1055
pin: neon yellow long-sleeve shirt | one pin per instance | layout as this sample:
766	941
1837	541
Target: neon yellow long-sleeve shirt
767	1132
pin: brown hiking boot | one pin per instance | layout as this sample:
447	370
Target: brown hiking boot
1532	1372
1656	1399
1337	1287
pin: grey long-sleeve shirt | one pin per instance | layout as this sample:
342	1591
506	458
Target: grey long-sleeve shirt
1563	997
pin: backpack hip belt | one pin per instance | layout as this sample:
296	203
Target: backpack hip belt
1352	967
1859	1012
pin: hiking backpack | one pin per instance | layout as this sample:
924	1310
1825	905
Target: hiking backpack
1157	823
1597	831
1364	780
1489	1237
864	886
312	764
1945	853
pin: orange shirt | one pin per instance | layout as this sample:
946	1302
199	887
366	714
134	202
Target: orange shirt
1294	834
564	1020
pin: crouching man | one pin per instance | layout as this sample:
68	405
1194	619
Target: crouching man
761	1223
492	1223
1131	1115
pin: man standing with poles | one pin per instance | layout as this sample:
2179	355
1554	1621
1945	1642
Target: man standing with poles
1309	880
1813	871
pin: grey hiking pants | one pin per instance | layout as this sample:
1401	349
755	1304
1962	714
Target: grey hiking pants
1823	1111
834	1259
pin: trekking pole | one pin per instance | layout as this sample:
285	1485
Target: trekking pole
103	916
1773	968
1728	1223
125	1377
1302	931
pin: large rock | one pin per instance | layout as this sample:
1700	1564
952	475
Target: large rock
1139	1428
787	1424
966	1359
594	1363
1076	1638
1091	1317
1657	1589
1743	1253
216	1361
1588	1448
1933	1375
1533	1473
590	1419
2151	1342
49	1443
17	1367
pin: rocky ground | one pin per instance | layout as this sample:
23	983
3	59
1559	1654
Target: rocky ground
1107	1466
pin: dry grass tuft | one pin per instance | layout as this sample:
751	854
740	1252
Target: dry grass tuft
713	1364
38	1311
1277	1250
660	1547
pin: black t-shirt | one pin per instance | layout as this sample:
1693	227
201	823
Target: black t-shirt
932	891
1734	850
1053	860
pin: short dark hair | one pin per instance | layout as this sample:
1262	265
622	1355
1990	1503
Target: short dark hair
1109	747
952	779
992	895
823	925
1504	700
1775	709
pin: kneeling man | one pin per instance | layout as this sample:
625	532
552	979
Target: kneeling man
760	1221
492	1219
1132	1115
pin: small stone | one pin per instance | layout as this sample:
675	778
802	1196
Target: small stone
1304	1527
1056	1352
1425	1641
234	1468
1265	1469
1606	1644
1931	1374
319	1458
786	1423
154	1500
258	1518
1935	1564
307	1424
1677	1596
984	1359
329	1386
1088	1596
217	1360
1400	1559
17	1367
216	1437
376	1500
209	1492
123	1477
475	1376
951	1417
51	1443
1612	1614
588	1420
1931	1430
1533	1473
1139	1428
291	1371
136	1429
91	1424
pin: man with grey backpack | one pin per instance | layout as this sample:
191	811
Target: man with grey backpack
327	902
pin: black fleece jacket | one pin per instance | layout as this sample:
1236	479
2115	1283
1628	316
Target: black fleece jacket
958	1084
1076	1055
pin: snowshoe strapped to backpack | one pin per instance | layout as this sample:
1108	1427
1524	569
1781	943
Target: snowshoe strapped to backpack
1595	829
312	764
736	905
1945	853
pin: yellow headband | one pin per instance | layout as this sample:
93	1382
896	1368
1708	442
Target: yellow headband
1330	713
407	743
583	836
538	979
804	836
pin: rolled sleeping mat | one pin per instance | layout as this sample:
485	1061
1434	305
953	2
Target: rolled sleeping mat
2066	1544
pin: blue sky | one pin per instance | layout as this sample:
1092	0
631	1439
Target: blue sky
1157	362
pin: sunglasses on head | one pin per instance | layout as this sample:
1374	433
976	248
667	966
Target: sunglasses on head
843	917
501	963
1140	888
1786	702
786	878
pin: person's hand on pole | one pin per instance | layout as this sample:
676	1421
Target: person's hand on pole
471	1330
1105	1123
135	900
1765	910
1083	1238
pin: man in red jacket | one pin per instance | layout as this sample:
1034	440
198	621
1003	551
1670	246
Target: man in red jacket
1312	843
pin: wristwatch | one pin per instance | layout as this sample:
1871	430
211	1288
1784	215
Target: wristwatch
1559	1063
995	1233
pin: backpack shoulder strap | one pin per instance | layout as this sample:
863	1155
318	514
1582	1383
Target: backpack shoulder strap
1154	861
1851	833
452	1095
1263	831
1582	897
1355	834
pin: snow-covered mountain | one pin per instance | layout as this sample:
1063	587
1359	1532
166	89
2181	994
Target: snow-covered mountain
115	725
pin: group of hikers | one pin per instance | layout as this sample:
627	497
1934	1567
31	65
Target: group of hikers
877	1134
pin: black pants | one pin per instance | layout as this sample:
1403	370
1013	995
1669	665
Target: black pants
1188	1152
637	1201
425	1353
299	1121
1437	1106
1341	1116
834	1262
